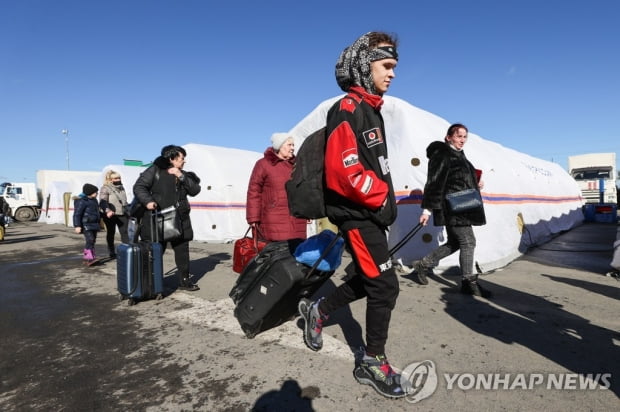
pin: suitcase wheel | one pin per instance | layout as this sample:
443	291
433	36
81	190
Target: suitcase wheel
131	302
121	297
250	334
159	296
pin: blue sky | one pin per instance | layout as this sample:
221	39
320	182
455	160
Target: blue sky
128	77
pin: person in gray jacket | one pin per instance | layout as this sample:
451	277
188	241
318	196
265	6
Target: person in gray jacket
166	184
113	201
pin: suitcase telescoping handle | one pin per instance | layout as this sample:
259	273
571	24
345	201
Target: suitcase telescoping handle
323	254
154	228
154	231
136	264
405	239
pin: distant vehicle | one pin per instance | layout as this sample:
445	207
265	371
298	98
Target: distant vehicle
23	199
596	175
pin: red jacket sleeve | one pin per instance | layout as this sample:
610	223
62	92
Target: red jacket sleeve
254	194
345	173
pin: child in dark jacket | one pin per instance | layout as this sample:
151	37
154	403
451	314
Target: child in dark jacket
86	219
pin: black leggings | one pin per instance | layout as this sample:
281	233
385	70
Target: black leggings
110	226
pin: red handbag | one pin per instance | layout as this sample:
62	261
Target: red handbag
245	249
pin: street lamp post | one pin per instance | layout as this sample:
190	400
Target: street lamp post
66	133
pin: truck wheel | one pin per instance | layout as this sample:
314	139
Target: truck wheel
24	214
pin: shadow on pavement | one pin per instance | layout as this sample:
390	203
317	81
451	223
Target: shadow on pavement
200	267
290	397
10	240
610	292
542	326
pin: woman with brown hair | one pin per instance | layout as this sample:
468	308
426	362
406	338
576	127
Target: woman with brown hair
449	171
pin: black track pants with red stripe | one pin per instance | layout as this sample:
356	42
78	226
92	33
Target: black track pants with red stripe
375	279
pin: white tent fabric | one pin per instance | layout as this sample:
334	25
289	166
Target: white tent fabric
53	210
54	184
218	212
527	200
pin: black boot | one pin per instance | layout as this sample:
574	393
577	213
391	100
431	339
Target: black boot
420	271
472	287
187	284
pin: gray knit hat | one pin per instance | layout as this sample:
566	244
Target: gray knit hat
278	139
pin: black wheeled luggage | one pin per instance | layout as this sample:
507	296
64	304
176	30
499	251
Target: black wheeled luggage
140	271
269	288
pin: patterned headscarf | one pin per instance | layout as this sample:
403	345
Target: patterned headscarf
353	65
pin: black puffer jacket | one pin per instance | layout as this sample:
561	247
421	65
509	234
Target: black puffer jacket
156	185
86	213
449	171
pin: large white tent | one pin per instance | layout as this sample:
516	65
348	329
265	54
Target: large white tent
57	189
218	212
527	200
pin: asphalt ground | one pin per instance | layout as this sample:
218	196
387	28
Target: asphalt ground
69	343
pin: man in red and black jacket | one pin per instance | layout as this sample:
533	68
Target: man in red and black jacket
360	201
356	163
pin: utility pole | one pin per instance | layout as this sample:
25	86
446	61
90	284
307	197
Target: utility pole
66	133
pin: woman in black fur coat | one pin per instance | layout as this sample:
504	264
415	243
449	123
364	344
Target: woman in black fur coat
166	184
449	171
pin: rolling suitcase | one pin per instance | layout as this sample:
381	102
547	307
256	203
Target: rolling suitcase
140	269
269	288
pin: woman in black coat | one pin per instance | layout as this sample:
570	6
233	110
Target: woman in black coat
449	171
166	184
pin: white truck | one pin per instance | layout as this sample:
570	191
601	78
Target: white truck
24	200
596	176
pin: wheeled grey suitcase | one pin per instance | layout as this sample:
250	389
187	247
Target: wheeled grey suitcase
140	270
